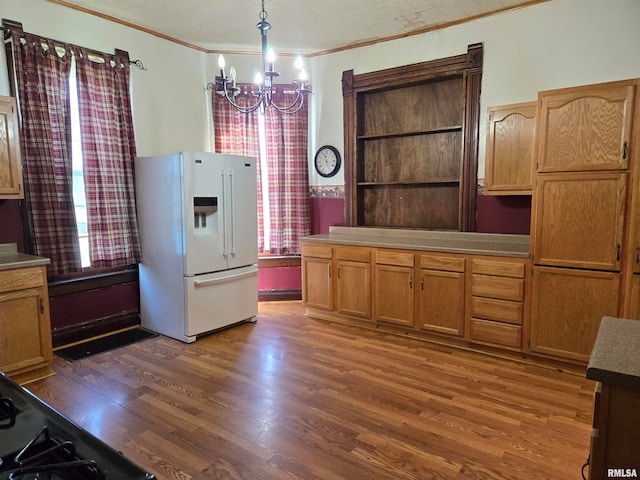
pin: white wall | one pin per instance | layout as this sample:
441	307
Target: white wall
169	101
555	44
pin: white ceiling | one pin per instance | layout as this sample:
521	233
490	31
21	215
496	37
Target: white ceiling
298	26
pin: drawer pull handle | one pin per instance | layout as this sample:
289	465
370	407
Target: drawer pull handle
411	283
638	254
41	305
618	252
624	150
338	273
422	283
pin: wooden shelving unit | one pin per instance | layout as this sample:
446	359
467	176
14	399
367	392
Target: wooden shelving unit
411	144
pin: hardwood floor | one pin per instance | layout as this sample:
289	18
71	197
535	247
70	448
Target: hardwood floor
295	398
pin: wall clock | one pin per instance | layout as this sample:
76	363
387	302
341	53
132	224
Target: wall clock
327	161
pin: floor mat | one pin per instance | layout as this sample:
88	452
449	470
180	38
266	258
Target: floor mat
104	344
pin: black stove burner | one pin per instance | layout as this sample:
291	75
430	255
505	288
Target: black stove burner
39	443
8	412
45	457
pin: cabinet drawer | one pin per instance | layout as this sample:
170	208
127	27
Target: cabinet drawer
436	262
319	251
357	254
501	310
21	278
496	333
390	257
504	288
501	269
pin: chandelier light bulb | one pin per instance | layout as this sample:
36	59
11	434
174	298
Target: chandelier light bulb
258	79
298	64
221	62
302	76
271	57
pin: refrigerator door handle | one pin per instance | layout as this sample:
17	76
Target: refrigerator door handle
233	212
224	279
225	251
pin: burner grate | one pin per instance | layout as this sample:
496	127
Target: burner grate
44	457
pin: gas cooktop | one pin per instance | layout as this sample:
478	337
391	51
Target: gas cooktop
37	442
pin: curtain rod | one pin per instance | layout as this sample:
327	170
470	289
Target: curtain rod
118	53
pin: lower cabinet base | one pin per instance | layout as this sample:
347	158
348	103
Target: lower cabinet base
31	374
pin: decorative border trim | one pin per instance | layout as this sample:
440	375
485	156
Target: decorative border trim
326	191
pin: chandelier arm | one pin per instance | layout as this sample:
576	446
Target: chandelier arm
289	108
240	108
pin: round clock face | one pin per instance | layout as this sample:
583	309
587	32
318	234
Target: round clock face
327	161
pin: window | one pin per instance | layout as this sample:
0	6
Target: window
79	185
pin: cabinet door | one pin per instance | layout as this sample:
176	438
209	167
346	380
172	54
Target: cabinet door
579	220
567	308
441	302
10	163
509	154
316	288
394	294
585	128
353	288
25	333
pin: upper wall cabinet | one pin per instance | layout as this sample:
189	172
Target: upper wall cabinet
411	144
585	128
10	163
509	154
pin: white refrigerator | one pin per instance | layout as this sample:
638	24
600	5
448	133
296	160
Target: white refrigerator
197	217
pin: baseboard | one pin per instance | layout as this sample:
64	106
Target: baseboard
279	295
100	326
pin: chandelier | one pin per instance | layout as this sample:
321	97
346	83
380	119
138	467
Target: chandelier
262	91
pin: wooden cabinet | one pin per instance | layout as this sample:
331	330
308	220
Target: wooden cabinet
317	291
411	144
353	281
10	162
441	294
585	128
615	437
497	302
580	214
567	306
509	150
393	290
25	330
580	220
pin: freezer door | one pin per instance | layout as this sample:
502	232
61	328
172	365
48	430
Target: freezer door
206	246
220	299
242	208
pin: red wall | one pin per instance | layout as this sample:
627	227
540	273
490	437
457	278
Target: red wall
504	214
11	223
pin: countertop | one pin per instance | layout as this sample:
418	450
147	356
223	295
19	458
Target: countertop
10	258
615	358
516	246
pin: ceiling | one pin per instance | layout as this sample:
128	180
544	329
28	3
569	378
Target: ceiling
298	26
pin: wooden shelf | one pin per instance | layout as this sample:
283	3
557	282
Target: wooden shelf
408	184
411	144
455	128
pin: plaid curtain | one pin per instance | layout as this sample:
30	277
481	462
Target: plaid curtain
237	134
108	151
288	173
42	79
